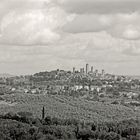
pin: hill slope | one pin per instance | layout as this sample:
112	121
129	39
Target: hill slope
67	107
6	75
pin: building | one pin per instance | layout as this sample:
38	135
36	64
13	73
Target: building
103	72
73	69
87	68
96	72
92	69
81	70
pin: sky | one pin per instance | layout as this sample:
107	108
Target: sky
40	35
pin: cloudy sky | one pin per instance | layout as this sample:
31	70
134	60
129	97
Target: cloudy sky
38	35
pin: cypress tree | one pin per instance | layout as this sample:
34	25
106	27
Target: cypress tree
43	113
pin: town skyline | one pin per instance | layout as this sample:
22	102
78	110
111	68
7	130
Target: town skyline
84	69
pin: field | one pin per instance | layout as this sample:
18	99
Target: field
67	107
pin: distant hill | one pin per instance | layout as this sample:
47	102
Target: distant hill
135	77
6	75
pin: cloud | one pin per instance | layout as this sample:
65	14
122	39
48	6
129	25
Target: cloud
130	32
99	6
36	35
89	23
45	21
33	26
124	26
133	49
99	47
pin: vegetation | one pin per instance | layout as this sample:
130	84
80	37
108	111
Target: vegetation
61	105
18	127
65	107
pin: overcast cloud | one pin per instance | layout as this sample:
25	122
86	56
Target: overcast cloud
36	35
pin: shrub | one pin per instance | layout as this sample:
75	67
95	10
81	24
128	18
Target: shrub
115	102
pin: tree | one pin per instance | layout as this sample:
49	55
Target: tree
43	113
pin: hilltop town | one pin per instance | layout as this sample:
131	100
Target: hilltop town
85	83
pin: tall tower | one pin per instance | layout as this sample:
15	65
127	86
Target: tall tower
81	70
92	69
103	72
73	69
96	72
87	68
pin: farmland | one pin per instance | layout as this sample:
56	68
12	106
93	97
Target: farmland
65	107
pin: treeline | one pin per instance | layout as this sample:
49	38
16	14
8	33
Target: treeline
23	126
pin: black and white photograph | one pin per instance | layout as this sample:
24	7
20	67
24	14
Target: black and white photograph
69	69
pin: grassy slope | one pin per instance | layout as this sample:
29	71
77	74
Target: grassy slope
67	107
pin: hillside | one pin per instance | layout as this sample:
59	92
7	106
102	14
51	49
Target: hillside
135	77
6	75
67	107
